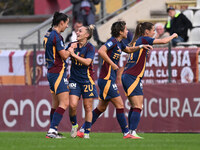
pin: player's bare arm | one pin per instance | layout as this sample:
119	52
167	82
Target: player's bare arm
136	48
64	54
103	53
165	40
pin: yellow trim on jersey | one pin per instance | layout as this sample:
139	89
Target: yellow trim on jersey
106	89
132	87
142	72
90	78
45	42
51	91
141	50
54	52
59	78
109	72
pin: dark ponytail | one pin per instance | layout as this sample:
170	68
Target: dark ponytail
57	18
140	30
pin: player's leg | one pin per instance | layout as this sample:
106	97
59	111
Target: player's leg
60	95
72	114
136	108
74	96
101	107
89	92
119	105
55	104
63	99
133	88
87	102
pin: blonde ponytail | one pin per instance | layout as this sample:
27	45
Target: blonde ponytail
90	29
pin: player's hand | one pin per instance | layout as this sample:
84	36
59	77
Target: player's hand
71	50
174	35
74	45
115	67
148	47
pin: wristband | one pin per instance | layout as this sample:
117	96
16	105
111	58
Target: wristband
140	46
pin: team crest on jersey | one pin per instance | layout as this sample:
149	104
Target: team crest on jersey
82	55
119	50
62	44
110	44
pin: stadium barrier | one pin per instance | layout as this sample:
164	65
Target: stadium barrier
167	108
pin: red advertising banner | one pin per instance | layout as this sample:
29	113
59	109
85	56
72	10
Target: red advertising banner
17	67
167	108
184	65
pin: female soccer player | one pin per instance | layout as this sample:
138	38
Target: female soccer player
55	56
81	78
134	70
110	52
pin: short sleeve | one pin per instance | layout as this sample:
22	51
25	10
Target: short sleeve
110	44
67	46
149	40
90	52
59	44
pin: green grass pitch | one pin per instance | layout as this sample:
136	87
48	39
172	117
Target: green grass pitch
99	141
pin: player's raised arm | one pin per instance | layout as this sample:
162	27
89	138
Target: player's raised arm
165	40
136	48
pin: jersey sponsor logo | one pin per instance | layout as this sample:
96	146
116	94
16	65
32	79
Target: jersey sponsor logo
91	94
72	85
115	86
110	44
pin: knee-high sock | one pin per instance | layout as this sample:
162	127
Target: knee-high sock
87	127
51	113
73	120
57	117
122	120
95	114
129	116
135	118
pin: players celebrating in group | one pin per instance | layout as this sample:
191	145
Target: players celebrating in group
108	91
81	81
